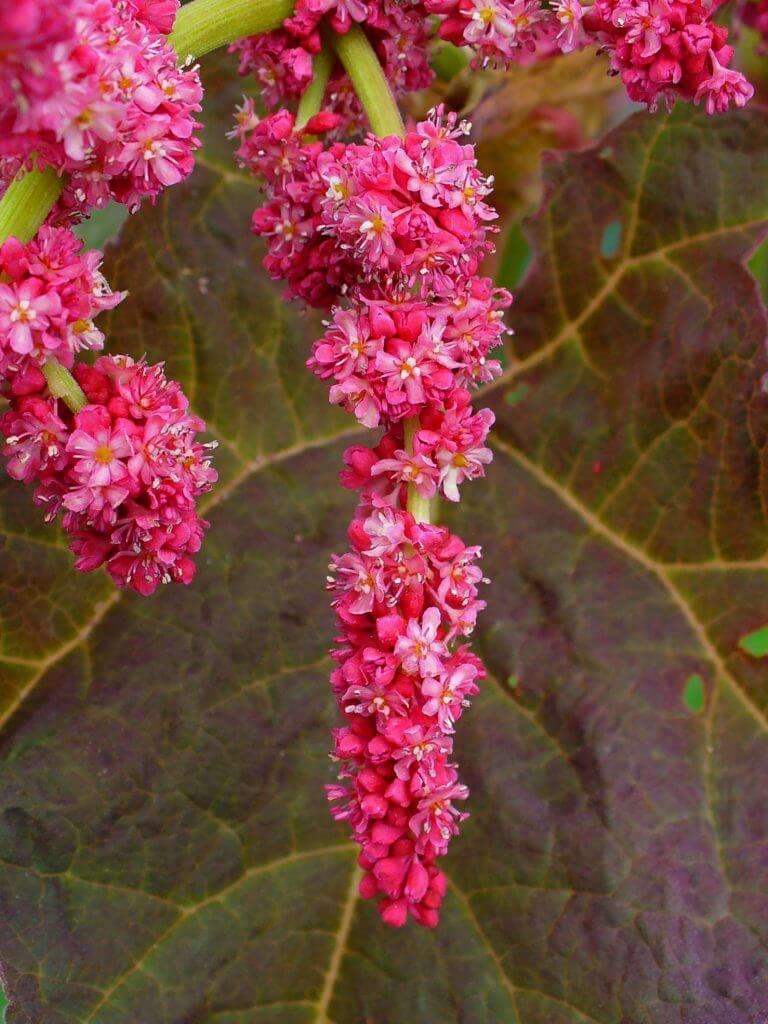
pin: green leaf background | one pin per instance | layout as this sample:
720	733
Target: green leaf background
166	855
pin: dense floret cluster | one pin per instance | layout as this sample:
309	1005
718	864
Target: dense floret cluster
93	90
123	473
391	233
404	595
663	49
281	61
50	293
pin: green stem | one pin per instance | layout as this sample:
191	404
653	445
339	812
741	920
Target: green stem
420	508
204	25
63	385
311	102
27	203
362	65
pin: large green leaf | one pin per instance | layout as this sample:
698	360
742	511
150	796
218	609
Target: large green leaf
166	855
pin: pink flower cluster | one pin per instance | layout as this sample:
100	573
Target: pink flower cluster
409	210
124	472
310	262
403	595
665	49
385	216
92	89
500	31
50	293
389	359
448	448
393	231
281	61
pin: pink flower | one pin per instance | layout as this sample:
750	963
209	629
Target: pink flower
723	87
419	649
98	449
25	312
569	14
95	122
386	531
409	370
644	22
457	466
357	395
417	470
379	699
447	696
347	349
372	224
35	439
419	748
437	819
360	579
153	157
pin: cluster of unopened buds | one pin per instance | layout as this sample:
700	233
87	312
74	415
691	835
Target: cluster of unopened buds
387	235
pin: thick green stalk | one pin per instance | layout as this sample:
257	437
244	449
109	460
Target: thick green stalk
63	385
27	203
205	25
311	102
362	65
420	508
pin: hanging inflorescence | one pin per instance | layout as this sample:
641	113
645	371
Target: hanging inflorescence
395	230
387	235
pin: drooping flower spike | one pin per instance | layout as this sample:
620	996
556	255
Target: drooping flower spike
403	596
388	235
391	233
123	469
